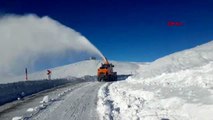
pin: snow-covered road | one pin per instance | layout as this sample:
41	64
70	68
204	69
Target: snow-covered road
76	102
80	104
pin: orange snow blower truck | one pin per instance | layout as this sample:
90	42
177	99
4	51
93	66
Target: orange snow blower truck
105	72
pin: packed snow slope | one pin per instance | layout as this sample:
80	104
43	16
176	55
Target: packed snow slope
176	87
80	69
182	60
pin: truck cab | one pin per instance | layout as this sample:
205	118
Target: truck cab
105	72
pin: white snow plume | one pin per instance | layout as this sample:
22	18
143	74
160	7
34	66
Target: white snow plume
32	41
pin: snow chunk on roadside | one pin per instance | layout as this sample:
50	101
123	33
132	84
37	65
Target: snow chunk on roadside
17	118
30	110
45	99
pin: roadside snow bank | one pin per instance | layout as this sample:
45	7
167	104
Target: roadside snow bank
175	87
194	57
140	101
197	76
103	104
182	95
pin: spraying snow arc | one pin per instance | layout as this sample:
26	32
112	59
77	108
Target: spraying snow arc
32	41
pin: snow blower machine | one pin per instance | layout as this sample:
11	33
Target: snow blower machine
105	72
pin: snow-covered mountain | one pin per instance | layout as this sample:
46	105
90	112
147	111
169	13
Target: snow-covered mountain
79	69
177	86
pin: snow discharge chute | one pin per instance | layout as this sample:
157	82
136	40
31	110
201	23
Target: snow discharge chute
39	42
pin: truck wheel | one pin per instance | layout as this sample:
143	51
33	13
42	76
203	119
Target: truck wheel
102	79
99	79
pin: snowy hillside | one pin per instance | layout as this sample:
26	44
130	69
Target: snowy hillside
186	59
177	86
79	69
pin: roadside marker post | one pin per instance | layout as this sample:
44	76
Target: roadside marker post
26	74
49	72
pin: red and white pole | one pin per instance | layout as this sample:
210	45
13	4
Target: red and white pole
26	74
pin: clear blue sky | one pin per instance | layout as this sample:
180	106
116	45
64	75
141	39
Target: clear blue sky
128	30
